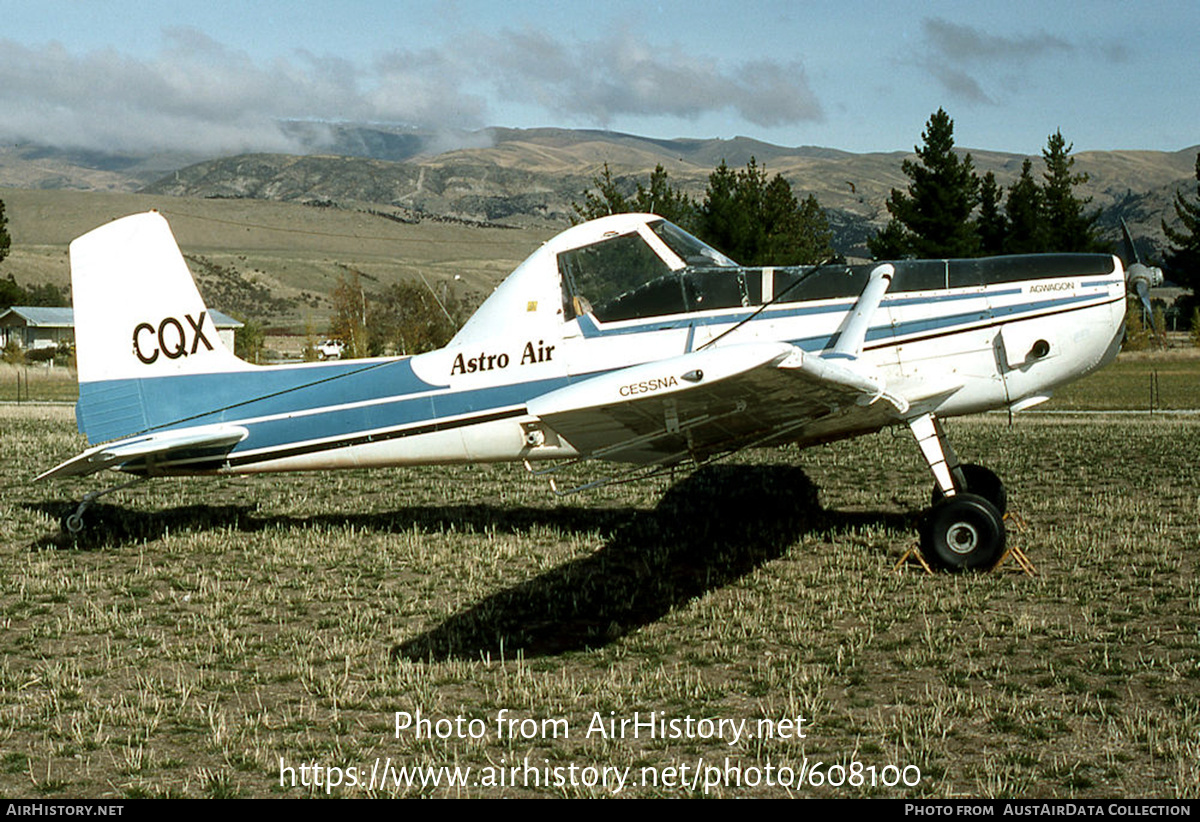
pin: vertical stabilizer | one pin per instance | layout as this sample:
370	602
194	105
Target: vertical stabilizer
138	317
137	310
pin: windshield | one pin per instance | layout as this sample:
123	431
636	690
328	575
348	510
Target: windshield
597	277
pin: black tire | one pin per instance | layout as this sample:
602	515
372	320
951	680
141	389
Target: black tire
963	533
982	482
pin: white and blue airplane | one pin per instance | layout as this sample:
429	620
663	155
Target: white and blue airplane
624	339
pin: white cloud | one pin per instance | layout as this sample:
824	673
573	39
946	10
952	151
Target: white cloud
965	44
601	80
198	95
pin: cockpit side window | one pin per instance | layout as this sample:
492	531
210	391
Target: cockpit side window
689	249
619	278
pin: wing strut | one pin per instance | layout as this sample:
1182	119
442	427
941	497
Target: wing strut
853	333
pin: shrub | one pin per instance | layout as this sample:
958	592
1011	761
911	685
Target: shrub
13	352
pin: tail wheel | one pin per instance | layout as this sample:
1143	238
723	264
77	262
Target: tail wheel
982	482
963	533
72	523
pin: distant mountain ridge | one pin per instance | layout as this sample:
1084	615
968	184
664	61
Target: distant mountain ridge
532	176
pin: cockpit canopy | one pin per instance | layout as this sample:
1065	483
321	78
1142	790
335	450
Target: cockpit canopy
636	266
654	269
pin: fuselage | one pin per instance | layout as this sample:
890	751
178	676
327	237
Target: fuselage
953	337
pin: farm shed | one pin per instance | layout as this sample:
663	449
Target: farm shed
37	327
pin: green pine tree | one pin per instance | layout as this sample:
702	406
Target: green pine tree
797	232
11	293
759	221
991	222
750	243
752	219
607	199
1182	259
663	199
1068	226
5	239
891	243
659	197
1024	207
933	219
718	218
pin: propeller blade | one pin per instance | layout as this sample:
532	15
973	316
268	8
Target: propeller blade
1140	278
1143	292
1131	255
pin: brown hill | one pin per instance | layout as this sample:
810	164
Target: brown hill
532	177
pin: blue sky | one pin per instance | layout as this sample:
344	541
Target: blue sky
217	76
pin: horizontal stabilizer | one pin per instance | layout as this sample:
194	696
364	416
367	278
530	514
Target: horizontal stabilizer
156	449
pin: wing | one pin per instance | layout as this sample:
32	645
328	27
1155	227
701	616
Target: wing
150	452
712	400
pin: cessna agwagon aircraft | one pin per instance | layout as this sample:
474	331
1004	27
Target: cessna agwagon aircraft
624	340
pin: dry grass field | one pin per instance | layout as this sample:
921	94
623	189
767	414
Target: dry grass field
214	637
37	383
221	637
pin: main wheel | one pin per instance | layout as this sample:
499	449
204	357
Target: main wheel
982	482
963	533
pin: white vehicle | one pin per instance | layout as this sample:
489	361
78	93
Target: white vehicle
330	349
622	340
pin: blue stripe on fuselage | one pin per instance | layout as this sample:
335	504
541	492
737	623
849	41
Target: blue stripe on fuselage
589	328
448	404
200	399
398	413
1003	313
379	396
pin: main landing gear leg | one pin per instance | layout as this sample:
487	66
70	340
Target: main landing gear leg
964	529
73	523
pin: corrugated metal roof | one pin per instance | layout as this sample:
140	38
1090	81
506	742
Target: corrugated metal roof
40	317
222	320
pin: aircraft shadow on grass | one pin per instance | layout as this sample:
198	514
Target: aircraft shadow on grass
708	530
